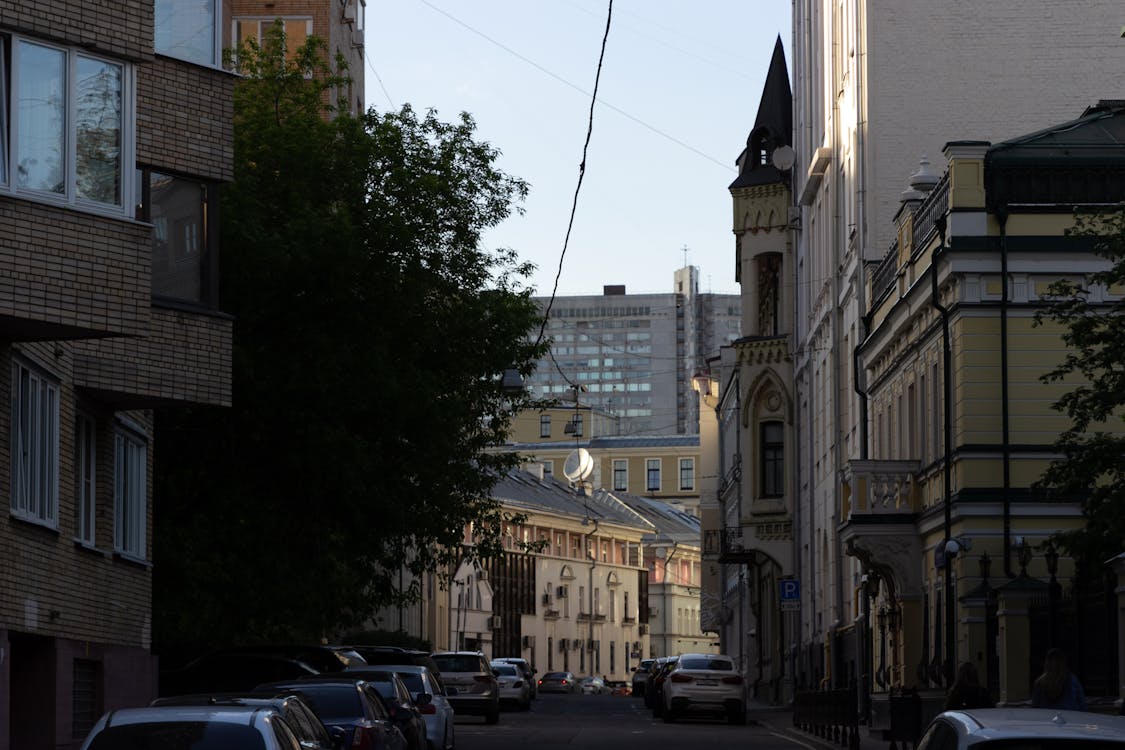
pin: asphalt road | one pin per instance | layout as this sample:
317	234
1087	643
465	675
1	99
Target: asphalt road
594	722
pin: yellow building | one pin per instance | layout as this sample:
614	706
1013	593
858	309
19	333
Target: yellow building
942	512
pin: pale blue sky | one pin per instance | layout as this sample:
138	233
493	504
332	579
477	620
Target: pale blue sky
679	91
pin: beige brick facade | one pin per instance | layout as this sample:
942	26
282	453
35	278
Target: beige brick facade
77	309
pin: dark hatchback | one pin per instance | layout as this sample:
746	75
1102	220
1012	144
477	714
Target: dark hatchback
352	706
396	656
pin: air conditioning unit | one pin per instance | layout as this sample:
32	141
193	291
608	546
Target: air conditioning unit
546	599
492	623
529	641
564	644
642	629
349	11
357	37
636	645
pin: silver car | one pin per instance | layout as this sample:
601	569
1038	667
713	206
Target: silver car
1025	728
515	688
213	726
704	683
438	713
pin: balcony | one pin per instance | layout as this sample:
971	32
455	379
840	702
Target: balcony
727	546
550	614
880	488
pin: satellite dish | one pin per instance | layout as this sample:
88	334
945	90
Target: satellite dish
579	465
783	157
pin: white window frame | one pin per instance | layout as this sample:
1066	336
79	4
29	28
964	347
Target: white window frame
34	446
648	474
680	478
86	471
130	494
622	463
9	129
217	43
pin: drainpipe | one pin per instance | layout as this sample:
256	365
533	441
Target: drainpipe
1002	217
593	564
947	411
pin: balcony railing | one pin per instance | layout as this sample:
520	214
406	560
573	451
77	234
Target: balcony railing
880	487
726	545
935	206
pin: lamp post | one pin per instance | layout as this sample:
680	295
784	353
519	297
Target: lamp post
951	550
1054	589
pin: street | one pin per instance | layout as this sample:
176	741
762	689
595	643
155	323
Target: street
593	722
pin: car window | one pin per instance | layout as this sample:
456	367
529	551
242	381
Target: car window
413	682
179	735
286	740
940	736
555	676
375	701
459	663
308	719
433	688
506	669
333	701
718	664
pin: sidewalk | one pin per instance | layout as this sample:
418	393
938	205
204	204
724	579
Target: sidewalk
780	719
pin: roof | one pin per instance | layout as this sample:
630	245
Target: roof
775	117
611	443
669	522
525	490
1036	723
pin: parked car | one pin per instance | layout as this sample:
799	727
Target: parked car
592	686
228	672
309	730
526	668
437	712
352	706
654	691
394	655
404	712
192	727
640	675
558	682
478	693
515	689
1024	728
704	683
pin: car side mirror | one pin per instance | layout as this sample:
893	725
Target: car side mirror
423	699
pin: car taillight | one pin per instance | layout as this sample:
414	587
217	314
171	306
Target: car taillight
564	682
681	678
541	682
364	737
736	680
429	709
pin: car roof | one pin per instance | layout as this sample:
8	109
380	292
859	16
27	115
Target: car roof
983	724
227	713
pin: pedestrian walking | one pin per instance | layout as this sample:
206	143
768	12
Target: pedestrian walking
967	692
1058	687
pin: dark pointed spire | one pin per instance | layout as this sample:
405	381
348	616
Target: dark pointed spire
772	128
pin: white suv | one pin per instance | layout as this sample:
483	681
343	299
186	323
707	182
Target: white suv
704	683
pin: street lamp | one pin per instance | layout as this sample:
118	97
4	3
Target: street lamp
1023	554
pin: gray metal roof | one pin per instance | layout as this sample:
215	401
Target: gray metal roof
522	489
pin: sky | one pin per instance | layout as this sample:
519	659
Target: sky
678	93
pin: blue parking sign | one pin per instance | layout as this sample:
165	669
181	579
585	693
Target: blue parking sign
790	589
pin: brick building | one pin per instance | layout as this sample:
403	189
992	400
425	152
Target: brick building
116	130
340	23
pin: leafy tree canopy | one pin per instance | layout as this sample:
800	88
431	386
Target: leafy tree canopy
1092	466
370	332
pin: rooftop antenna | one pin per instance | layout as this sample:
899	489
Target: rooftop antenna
684	249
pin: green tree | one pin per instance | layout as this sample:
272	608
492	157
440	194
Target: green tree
370	332
1092	466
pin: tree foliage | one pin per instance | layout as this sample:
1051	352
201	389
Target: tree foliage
370	328
1092	463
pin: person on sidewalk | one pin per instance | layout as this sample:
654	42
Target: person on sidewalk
1058	687
967	692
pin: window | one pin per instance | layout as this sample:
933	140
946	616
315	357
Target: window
188	29
184	241
297	31
67	127
544	425
773	459
620	474
548	468
578	425
129	494
652	475
86	703
85	463
35	446
687	474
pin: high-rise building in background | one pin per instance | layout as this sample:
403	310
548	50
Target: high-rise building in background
633	355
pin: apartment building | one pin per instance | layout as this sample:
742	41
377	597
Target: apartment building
340	23
115	121
633	355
